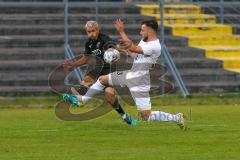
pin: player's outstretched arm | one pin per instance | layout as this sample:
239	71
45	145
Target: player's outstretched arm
70	65
119	25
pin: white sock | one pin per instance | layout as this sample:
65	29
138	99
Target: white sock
163	117
95	89
124	116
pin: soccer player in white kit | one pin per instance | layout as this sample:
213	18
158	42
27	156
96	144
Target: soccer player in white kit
137	79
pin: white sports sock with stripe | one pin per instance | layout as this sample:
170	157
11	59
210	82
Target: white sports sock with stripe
163	117
94	90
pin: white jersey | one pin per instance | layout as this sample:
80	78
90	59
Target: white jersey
150	55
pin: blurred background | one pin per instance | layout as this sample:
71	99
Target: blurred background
201	37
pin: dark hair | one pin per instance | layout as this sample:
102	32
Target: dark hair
152	24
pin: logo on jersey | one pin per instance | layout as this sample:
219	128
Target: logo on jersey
96	52
119	73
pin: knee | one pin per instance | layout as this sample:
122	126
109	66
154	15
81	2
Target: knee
110	95
109	91
103	80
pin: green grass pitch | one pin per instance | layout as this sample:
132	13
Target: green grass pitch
36	134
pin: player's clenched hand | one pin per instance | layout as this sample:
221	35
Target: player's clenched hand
119	25
68	65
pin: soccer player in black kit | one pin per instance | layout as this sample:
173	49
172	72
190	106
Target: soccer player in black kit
95	46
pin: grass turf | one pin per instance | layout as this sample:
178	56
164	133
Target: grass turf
36	133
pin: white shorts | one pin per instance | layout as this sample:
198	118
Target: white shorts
138	83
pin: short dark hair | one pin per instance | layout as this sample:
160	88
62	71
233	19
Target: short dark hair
151	23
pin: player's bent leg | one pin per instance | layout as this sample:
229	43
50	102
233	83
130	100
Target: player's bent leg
168	117
78	91
110	95
95	89
144	106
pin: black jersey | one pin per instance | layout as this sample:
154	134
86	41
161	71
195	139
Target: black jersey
98	47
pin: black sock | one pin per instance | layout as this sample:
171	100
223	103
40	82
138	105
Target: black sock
118	107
